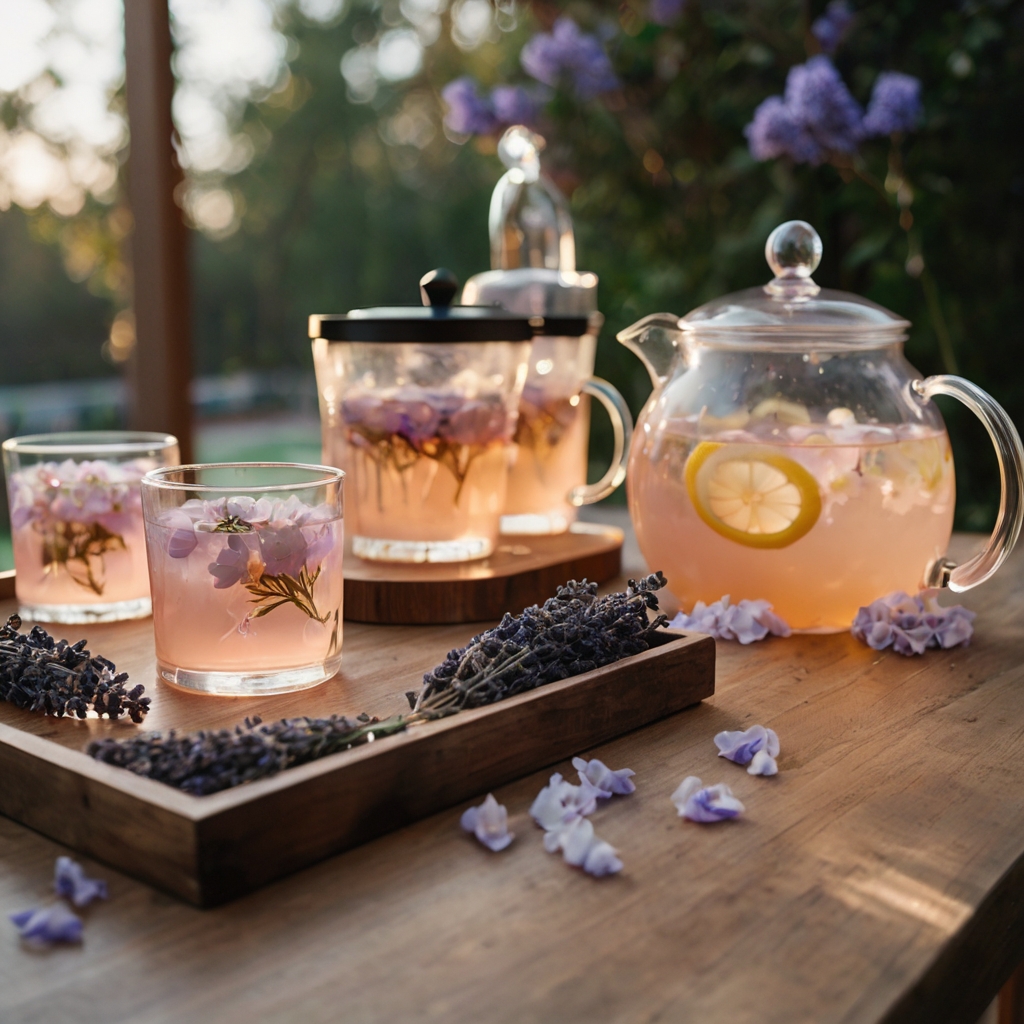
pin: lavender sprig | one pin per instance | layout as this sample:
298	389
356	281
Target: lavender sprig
206	762
573	632
39	673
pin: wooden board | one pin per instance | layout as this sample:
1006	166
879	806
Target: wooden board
211	849
523	571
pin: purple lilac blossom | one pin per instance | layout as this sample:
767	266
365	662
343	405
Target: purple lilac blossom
567	55
468	113
512	104
94	491
910	625
746	621
582	849
705	804
282	548
817	115
420	416
489	823
665	12
741	746
831	28
895	104
48	926
606	781
560	802
70	882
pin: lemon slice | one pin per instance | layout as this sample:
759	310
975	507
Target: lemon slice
757	498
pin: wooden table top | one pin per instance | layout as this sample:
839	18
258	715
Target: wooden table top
879	877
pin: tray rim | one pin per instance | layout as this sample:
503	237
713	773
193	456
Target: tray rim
197	809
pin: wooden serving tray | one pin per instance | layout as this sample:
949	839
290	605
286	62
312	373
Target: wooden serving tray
523	571
211	849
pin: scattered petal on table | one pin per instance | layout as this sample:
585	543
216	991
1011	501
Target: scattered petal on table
582	849
746	621
705	804
603	778
489	823
560	802
70	882
48	925
741	746
762	763
912	624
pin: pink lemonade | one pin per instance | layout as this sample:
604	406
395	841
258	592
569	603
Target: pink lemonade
818	519
247	588
78	539
427	473
551	459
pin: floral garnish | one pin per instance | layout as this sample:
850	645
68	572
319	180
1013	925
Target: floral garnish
912	624
606	781
81	510
746	621
582	849
574	632
395	431
489	823
543	420
209	761
39	673
757	747
705	804
274	549
70	882
48	926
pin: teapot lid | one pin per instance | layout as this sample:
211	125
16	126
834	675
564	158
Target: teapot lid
791	306
437	320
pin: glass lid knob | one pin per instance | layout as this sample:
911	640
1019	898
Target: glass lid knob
793	251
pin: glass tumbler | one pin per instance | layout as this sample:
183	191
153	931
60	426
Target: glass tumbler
246	566
76	522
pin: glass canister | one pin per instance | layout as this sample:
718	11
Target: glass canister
418	405
76	522
533	256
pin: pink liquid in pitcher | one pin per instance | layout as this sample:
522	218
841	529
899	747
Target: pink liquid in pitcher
882	512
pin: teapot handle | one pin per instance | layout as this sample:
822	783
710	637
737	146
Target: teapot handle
1010	453
622	428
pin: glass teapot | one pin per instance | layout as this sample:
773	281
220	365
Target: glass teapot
789	452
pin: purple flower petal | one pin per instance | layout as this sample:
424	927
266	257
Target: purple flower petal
741	746
906	624
599	775
468	112
705	804
48	925
747	621
560	802
895	104
70	882
762	763
567	55
489	823
582	849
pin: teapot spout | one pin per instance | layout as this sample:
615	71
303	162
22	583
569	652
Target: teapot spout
655	341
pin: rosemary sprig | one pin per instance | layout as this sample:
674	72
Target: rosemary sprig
39	673
271	592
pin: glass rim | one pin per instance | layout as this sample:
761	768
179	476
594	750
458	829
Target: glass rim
327	475
80	442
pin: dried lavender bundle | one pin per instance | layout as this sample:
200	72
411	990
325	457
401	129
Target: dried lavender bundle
573	632
209	761
39	673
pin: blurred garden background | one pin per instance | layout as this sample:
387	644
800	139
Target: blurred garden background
335	150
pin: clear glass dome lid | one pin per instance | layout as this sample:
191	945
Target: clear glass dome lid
791	307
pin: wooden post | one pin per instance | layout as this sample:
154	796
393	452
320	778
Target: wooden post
161	369
1011	999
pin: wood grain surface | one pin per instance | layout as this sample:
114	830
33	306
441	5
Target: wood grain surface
211	849
522	571
878	878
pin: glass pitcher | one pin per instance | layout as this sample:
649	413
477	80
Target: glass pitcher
789	452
